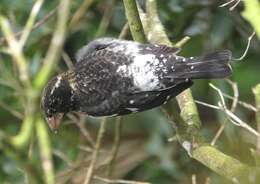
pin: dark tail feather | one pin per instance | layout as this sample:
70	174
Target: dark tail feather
214	65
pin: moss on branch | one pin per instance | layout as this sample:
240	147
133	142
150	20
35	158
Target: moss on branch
134	21
188	122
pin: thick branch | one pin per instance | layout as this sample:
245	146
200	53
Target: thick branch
188	125
134	21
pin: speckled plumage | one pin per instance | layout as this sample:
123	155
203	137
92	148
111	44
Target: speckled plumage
117	77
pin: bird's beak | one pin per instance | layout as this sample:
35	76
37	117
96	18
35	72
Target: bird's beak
54	121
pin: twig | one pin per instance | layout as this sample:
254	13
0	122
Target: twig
256	92
55	48
81	125
232	117
64	157
243	104
134	21
36	26
232	109
101	133
247	48
114	151
80	12
182	42
15	51
30	22
109	10
67	60
229	2
124	31
193	179
118	181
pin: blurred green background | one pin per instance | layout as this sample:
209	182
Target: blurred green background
145	153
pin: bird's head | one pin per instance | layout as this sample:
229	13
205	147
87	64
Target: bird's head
57	99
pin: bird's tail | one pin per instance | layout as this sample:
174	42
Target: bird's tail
214	65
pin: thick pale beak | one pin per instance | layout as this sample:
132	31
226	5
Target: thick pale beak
54	121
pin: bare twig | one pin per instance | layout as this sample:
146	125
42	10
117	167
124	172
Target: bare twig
55	48
124	31
243	104
90	171
182	42
30	22
36	26
236	2
109	10
247	48
67	60
64	157
256	91
232	117
119	181
80	12
114	151
193	179
232	109
81	125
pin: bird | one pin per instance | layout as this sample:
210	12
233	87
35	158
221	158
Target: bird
115	77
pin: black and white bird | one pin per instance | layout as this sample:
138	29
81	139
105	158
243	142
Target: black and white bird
115	77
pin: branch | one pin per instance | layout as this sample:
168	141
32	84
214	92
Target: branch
55	48
224	165
30	22
114	151
134	21
16	51
108	12
256	91
37	25
188	126
45	151
101	132
80	12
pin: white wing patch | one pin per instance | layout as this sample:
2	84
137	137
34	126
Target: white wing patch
143	67
143	73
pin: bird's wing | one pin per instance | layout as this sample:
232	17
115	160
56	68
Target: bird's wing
129	47
158	49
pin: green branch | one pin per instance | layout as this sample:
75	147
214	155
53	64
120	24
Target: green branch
45	150
134	21
189	123
55	48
